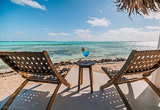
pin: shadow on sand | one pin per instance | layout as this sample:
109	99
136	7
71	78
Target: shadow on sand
70	99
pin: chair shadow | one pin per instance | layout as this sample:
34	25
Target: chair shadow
147	100
70	99
106	99
29	99
98	100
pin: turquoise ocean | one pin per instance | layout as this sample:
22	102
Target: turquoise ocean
64	51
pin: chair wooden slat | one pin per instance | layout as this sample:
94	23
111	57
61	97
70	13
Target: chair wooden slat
34	66
138	63
30	62
143	61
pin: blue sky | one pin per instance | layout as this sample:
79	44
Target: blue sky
73	20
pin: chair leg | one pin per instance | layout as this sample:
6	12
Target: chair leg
91	78
53	97
11	99
125	101
79	79
65	81
81	76
153	86
106	85
67	84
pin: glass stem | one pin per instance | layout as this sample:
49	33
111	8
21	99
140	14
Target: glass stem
86	59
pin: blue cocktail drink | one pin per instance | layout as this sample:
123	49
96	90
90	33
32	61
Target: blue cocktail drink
85	53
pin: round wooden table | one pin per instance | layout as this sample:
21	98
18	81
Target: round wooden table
85	64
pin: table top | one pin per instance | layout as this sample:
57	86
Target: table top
85	63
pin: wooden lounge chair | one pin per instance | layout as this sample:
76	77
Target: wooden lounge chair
139	65
37	67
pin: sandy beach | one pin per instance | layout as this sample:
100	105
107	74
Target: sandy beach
9	82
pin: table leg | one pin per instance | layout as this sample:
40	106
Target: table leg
91	78
79	79
81	76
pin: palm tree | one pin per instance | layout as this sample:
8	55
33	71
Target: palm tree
137	6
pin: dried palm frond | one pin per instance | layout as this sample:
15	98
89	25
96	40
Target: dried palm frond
137	6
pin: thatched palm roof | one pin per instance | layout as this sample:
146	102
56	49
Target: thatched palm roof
137	6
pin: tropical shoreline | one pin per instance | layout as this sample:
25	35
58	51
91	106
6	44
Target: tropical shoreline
65	51
73	62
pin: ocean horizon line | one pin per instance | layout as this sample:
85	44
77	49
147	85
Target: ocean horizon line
77	41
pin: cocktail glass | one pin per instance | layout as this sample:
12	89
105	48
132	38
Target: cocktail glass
85	53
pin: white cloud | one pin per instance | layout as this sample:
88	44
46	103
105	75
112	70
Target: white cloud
99	22
30	3
100	11
153	27
46	28
130	34
147	33
18	32
81	33
64	34
51	34
58	34
121	34
153	15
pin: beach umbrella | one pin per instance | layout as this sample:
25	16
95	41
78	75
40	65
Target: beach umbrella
137	6
156	74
